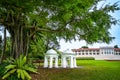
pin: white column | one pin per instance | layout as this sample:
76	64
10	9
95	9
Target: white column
108	52
103	51
45	62
71	61
56	62
51	62
64	62
61	61
92	52
111	51
74	62
88	53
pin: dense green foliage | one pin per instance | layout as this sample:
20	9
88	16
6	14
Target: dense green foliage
88	70
116	46
2	69
84	47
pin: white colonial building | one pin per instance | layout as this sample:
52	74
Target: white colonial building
102	53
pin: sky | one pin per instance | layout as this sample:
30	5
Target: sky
115	32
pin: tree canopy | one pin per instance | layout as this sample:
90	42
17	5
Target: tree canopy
51	20
116	46
84	47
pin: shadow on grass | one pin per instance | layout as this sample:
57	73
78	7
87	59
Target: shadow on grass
92	70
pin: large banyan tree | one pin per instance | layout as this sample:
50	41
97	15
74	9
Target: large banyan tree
51	20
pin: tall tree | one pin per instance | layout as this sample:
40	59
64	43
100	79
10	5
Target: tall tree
116	46
84	47
14	18
63	19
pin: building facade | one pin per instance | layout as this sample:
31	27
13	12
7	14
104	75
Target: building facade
102	53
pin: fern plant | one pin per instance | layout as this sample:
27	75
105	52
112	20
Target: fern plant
20	68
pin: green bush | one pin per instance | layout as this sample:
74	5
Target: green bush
2	69
18	70
13	77
85	58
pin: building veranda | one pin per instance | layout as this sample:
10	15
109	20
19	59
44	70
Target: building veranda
102	53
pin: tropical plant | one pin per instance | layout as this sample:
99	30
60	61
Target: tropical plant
19	68
2	69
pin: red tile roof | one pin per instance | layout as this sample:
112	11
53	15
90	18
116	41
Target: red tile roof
116	48
76	50
85	49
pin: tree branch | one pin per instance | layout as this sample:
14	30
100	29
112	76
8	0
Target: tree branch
46	30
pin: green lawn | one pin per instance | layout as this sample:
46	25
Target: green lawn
92	70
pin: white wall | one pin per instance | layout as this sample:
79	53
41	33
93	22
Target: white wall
102	57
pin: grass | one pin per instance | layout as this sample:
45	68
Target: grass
92	70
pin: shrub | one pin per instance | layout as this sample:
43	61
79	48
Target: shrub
18	69
2	69
85	58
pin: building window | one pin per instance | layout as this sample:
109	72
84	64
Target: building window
105	53
102	52
97	50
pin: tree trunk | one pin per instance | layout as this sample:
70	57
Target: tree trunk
20	42
27	47
19	37
4	45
